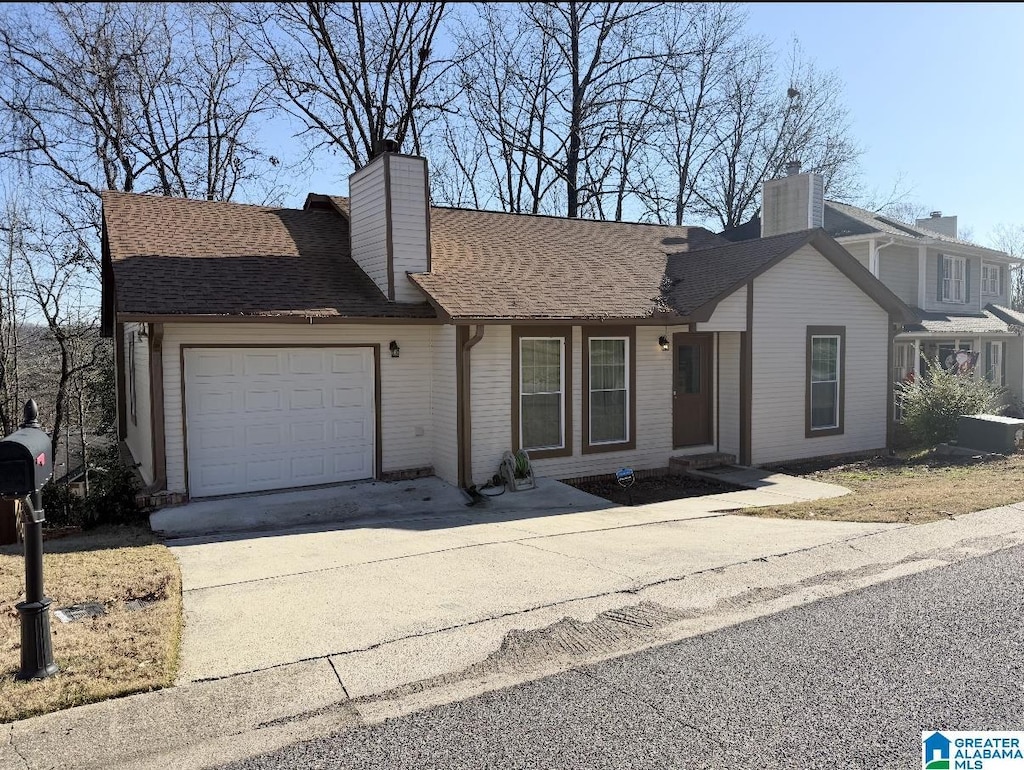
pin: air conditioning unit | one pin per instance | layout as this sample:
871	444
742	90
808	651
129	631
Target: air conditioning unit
990	433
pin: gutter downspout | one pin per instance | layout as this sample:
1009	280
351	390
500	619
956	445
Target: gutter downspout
465	418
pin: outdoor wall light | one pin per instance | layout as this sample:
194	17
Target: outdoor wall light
395	350
663	342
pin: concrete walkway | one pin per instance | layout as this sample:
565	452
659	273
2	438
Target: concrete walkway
384	618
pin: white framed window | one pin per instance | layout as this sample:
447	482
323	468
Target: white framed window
990	279
542	393
608	378
954	279
825	373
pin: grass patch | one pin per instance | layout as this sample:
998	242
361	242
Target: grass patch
122	652
915	487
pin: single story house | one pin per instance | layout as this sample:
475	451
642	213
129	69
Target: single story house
377	336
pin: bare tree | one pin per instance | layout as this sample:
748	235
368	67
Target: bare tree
766	123
354	74
133	97
1010	238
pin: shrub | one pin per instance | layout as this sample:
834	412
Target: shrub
111	499
933	404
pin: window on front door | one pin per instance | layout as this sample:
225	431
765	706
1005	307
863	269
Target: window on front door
954	279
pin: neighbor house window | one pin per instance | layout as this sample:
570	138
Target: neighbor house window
541	420
608	385
825	380
954	279
994	369
990	279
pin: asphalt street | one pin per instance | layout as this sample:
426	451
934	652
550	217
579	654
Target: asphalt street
845	682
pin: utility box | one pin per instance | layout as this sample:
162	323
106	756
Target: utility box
990	433
25	462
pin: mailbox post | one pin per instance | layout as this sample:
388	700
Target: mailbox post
25	466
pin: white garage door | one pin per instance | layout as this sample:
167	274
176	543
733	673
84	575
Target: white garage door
270	418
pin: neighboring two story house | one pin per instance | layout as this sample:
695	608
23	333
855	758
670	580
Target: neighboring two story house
959	291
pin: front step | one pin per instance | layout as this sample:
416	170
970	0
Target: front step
686	463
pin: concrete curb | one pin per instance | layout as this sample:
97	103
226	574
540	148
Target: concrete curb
212	722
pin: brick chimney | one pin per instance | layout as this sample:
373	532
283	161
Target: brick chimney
794	202
389	203
939	224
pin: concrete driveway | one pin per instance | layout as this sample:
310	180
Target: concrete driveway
408	582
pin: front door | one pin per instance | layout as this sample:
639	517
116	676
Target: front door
691	389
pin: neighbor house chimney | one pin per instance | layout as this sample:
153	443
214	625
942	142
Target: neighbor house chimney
792	203
389	205
939	224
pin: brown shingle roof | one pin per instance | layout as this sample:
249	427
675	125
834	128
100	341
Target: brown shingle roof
174	256
507	266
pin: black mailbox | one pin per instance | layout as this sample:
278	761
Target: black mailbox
25	462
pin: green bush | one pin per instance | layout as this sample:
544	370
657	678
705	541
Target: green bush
111	498
933	404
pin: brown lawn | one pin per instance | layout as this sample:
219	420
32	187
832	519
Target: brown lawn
913	489
119	653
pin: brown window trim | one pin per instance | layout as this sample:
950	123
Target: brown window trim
598	332
825	331
565	332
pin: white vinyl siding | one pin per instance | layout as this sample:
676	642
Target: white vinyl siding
730	314
609	390
954	279
728	406
542	392
369	227
408	223
443	404
807	290
405	382
140	429
897	269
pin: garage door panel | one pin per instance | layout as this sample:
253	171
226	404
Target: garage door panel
262	364
305	433
263	400
278	417
306	362
350	430
346	363
350	397
210	438
214	402
211	364
264	436
306	398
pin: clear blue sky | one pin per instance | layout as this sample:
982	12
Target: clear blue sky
935	91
